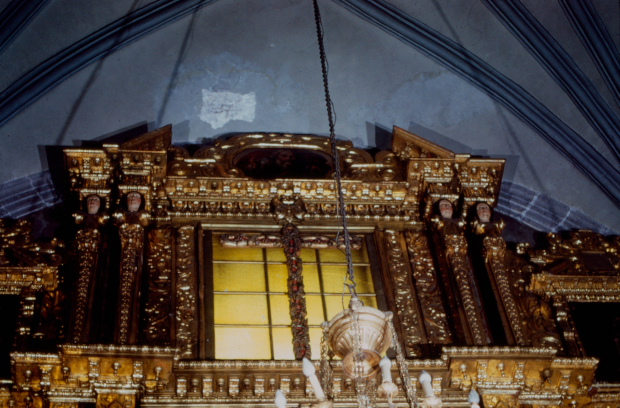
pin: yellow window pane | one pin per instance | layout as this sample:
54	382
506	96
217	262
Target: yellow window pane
311	279
315	342
333	276
308	255
276	255
280	314
314	306
240	309
221	253
234	277
283	343
278	274
336	255
278	277
333	304
248	343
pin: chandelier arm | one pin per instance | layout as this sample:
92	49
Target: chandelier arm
334	149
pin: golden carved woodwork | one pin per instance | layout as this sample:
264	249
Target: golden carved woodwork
583	267
158	308
186	296
494	255
89	243
409	318
132	243
449	235
428	289
426	273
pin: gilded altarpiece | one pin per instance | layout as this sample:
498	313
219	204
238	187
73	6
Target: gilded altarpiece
165	203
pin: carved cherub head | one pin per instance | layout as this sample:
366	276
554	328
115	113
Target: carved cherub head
483	211
93	203
134	200
445	208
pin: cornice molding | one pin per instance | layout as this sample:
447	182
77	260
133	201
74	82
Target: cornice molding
561	67
28	195
95	46
510	95
591	30
15	17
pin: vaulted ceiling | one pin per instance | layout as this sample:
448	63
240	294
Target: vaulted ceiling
535	82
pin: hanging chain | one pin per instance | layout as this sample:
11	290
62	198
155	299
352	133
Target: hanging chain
335	157
358	359
371	390
402	368
326	368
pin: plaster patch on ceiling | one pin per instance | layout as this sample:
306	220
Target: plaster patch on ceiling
219	108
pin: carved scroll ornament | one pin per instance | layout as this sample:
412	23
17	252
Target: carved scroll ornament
186	302
407	310
89	242
158	307
132	242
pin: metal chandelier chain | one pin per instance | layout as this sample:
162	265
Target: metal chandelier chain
335	158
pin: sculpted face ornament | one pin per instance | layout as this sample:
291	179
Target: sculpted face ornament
445	209
93	202
133	201
484	212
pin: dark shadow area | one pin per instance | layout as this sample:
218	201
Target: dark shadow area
443	141
598	325
379	136
180	131
116	137
9	310
515	231
490	304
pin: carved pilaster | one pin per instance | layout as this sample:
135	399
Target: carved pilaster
88	245
459	276
494	256
291	242
427	285
395	262
158	308
132	242
186	284
456	252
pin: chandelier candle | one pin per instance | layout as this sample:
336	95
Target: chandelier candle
473	399
309	371
280	400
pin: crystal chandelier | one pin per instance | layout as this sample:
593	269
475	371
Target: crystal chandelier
359	335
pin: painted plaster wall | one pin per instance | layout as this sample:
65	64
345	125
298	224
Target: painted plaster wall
256	62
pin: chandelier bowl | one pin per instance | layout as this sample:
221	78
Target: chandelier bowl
373	335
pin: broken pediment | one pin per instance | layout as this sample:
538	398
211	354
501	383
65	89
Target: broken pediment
241	175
